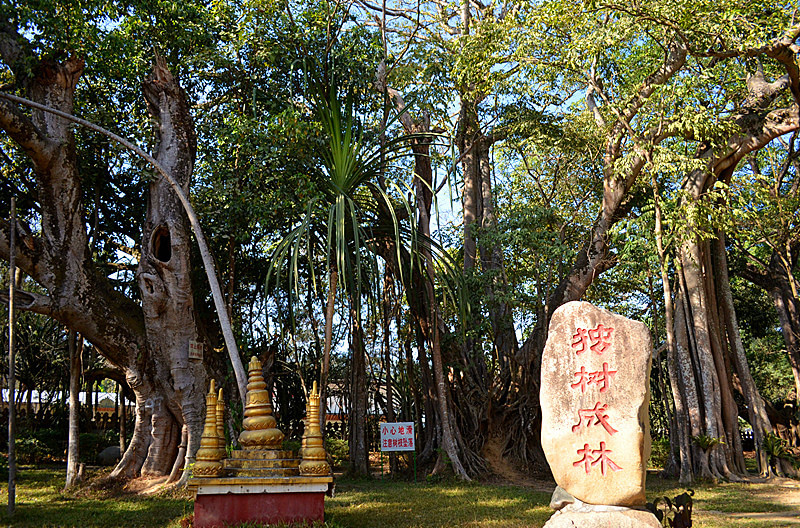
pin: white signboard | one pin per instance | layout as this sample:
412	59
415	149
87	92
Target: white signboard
195	350
397	436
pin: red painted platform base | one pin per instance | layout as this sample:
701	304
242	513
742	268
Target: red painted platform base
230	509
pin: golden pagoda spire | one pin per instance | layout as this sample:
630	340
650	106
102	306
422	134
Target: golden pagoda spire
208	457
223	453
260	427
314	456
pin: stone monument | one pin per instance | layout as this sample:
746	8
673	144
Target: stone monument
595	425
261	483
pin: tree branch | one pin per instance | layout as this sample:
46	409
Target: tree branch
11	47
757	135
30	301
205	253
28	254
22	130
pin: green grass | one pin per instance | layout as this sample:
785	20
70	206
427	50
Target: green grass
381	504
408	505
716	504
41	503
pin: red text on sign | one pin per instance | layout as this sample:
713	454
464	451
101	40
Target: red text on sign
600	377
598	339
598	414
601	458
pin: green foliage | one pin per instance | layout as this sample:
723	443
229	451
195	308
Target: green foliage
291	445
91	444
36	447
659	453
31	450
769	365
705	442
338	450
775	448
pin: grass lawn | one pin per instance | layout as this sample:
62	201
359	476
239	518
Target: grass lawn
390	504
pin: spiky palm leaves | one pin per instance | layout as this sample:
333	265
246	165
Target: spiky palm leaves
352	214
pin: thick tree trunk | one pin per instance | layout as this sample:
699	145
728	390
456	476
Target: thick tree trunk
787	305
468	140
730	411
757	414
710	397
123	420
686	382
79	295
164	277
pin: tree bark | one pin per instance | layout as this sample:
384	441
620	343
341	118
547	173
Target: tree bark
686	383
75	370
164	277
359	453
757	414
468	139
78	294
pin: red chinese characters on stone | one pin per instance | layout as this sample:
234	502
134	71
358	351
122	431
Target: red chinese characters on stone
600	377
597	339
602	459
598	414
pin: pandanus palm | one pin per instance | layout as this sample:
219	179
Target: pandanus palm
350	216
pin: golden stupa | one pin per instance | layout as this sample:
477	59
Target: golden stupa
260	431
261	455
209	457
315	459
260	483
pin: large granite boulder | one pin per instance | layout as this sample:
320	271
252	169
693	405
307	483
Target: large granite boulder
594	398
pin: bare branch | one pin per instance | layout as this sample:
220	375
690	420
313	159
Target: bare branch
22	130
30	301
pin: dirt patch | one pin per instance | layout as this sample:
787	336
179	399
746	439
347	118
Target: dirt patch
100	486
505	473
146	485
782	491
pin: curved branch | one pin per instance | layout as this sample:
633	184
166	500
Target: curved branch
773	125
25	133
30	302
205	252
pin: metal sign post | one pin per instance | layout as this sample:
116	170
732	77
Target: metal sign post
398	436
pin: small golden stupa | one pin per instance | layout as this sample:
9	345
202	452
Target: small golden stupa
315	459
209	458
260	431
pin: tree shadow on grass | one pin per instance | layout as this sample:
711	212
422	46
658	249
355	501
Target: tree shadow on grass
443	505
123	512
